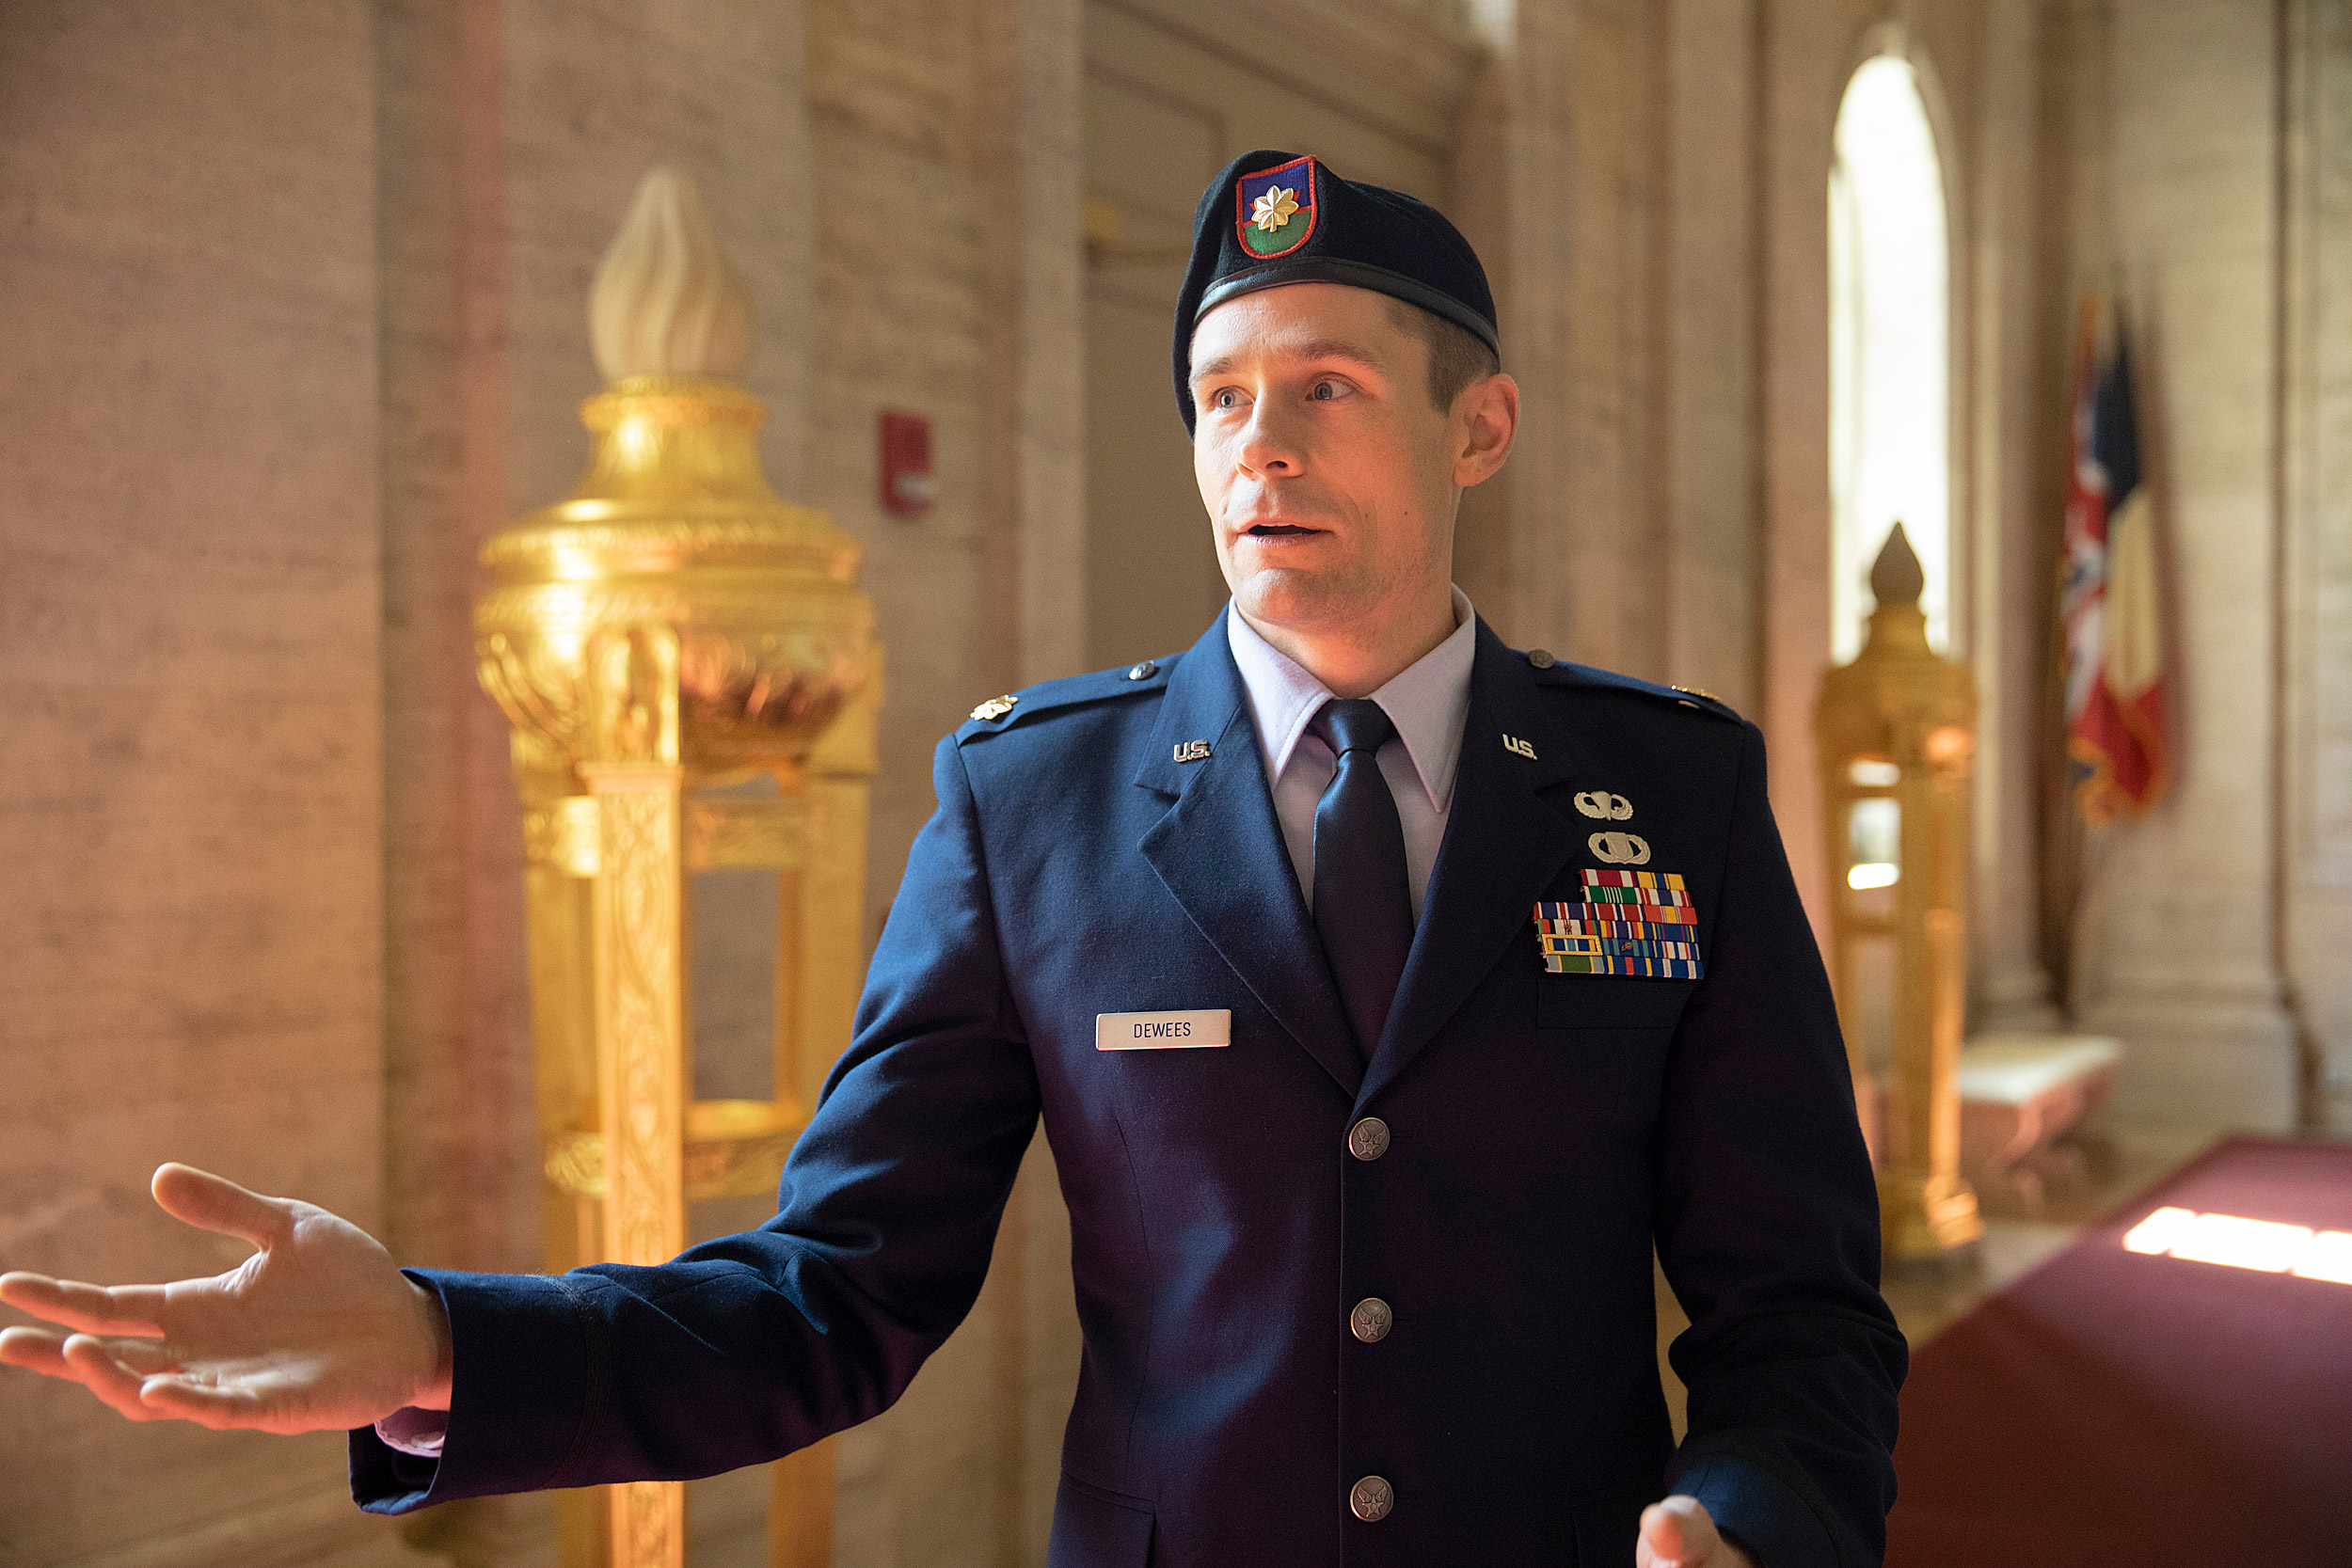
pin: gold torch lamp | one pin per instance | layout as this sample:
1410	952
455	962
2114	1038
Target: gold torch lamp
1896	729
690	674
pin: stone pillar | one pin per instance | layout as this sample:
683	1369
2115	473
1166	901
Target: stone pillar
2012	599
1805	53
1707	383
2181	930
2316	566
1518	188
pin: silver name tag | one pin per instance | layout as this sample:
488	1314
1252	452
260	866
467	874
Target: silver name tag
1162	1031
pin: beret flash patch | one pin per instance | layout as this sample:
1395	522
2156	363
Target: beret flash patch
1276	208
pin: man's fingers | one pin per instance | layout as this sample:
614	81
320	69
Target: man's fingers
138	1378
1676	1533
212	1202
87	1308
92	1363
36	1350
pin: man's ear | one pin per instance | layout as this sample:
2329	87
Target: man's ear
1488	419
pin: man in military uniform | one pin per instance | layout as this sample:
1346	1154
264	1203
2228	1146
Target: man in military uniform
1386	996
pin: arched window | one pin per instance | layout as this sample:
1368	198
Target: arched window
1889	332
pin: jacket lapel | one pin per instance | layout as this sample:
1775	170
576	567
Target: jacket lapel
1220	851
1503	844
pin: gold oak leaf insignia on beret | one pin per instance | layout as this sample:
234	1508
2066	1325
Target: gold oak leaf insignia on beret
995	707
1273	209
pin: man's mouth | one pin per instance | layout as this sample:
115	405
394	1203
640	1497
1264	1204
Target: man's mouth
1279	530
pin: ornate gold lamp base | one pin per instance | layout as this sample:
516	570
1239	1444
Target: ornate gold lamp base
672	631
1897	735
1923	1215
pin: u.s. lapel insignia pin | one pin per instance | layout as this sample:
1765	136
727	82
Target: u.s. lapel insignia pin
1607	807
1518	748
1192	750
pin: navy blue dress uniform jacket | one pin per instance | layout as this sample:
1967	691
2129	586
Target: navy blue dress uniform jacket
1544	1131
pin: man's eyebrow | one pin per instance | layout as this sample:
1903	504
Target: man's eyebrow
1320	348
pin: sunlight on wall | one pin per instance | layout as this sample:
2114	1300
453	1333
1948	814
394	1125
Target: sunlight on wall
1889	349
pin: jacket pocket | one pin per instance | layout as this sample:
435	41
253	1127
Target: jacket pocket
1609	1002
1095	1527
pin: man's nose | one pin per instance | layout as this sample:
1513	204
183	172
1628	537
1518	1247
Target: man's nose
1269	445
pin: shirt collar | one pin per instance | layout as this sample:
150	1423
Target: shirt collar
1428	702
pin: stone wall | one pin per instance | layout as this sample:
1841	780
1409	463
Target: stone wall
191	635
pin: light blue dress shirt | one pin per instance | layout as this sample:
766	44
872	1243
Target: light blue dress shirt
1428	704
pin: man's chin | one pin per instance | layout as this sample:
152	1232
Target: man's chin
1292	597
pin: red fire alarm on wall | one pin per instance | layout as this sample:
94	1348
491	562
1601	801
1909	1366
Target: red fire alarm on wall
908	489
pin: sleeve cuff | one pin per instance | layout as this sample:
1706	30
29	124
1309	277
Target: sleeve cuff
414	1431
525	1373
1762	1514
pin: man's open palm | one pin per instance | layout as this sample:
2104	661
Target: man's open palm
318	1330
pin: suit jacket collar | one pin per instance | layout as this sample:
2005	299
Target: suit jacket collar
1503	844
1219	850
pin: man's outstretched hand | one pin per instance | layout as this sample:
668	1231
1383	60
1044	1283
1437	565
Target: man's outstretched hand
1680	1533
317	1331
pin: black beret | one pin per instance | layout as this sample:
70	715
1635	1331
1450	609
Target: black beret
1270	218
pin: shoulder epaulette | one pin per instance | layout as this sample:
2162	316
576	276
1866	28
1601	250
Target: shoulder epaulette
999	714
1559	672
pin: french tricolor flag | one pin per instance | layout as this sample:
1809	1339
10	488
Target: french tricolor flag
2110	602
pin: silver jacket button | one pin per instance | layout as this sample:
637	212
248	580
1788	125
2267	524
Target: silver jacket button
1540	658
1145	670
1371	1320
1371	1499
1368	1139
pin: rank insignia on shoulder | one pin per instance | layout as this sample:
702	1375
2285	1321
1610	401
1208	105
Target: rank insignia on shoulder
1691	696
1192	750
1638	923
995	707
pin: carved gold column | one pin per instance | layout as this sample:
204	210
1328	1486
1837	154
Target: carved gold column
1898	739
669	630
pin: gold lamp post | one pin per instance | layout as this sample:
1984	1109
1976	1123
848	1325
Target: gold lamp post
691	679
1896	729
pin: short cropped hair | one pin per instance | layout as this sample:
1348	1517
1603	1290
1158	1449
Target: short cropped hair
1456	355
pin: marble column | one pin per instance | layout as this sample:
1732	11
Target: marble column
2180	929
2009	985
1706	441
2316	568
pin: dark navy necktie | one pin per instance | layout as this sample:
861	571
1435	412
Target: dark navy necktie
1363	913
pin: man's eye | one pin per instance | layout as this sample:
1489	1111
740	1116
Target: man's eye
1225	397
1323	391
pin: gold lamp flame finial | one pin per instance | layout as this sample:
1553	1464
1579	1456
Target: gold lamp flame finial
1896	578
667	301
